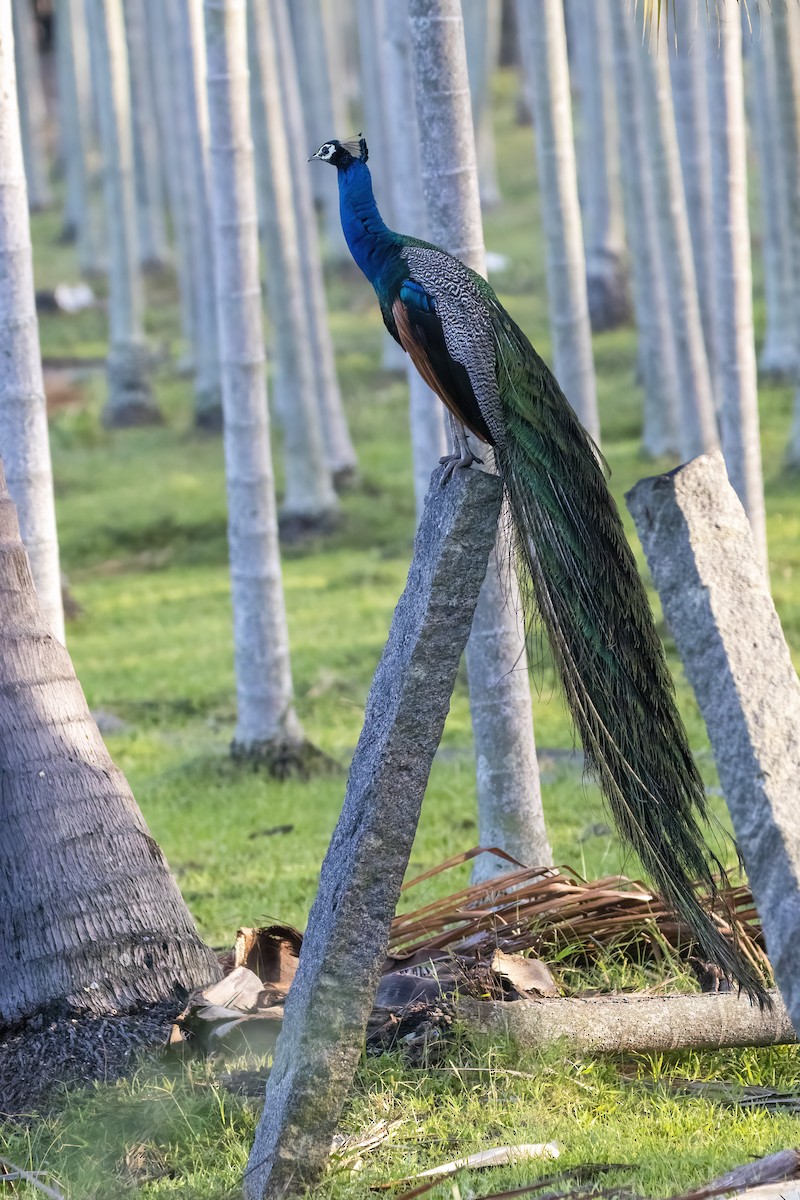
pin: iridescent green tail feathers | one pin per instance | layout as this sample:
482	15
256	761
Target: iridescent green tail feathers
582	576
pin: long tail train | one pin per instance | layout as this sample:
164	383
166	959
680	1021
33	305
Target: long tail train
594	608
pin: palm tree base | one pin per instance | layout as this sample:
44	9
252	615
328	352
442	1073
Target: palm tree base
285	758
50	1050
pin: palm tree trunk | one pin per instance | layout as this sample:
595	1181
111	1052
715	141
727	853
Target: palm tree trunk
130	400
599	170
426	412
787	85
698	424
267	725
168	100
341	455
24	441
152	233
323	110
375	120
657	346
482	36
32	108
75	116
687	61
509	799
310	500
734	337
93	921
544	52
187	45
779	354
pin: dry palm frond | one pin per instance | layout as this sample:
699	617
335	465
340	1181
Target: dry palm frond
540	909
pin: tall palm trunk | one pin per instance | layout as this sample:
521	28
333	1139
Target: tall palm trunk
599	169
152	232
734	337
687	60
509	801
787	87
92	920
24	442
31	102
780	353
74	103
323	110
310	500
267	724
482	35
544	53
187	45
376	123
698	425
657	346
426	411
168	100
341	455
130	400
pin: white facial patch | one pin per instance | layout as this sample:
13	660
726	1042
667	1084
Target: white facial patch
326	151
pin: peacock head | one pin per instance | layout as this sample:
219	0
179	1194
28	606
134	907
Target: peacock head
342	154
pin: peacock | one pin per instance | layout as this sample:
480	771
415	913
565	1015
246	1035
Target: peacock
576	566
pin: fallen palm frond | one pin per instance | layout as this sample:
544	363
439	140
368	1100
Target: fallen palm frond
779	1169
541	910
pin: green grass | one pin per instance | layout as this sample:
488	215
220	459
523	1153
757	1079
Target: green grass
142	527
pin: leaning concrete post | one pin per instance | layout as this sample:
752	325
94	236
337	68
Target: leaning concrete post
348	929
716	599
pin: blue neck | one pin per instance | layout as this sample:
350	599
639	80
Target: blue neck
371	243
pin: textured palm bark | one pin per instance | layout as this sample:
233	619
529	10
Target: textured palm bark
787	80
657	345
509	799
690	43
266	720
426	411
543	45
736	374
698	423
599	168
130	400
31	102
92	920
310	500
24	440
152	232
341	454
482	35
187	45
779	356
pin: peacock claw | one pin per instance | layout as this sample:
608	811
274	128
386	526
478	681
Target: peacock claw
459	461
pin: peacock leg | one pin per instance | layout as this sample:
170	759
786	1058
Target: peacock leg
462	456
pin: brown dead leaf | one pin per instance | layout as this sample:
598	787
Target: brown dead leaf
271	953
527	976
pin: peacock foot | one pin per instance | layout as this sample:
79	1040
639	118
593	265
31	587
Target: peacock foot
460	460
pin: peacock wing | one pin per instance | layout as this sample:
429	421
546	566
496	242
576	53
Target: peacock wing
445	324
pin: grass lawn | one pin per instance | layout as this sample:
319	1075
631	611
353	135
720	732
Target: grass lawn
142	528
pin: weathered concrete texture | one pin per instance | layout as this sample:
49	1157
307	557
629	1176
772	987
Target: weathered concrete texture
644	1024
348	929
716	600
